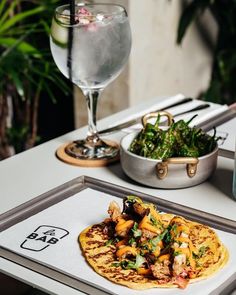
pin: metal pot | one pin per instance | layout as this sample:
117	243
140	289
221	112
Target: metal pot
172	173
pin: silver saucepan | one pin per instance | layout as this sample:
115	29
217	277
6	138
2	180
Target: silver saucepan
179	172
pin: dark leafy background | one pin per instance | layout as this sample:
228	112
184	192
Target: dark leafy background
222	87
29	77
27	72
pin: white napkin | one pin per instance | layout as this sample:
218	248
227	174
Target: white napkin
203	115
155	106
63	253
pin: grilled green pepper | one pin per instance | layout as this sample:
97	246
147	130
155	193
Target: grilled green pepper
179	140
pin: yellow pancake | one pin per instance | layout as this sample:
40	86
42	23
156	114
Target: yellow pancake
101	256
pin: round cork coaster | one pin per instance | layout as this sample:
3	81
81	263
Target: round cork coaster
63	156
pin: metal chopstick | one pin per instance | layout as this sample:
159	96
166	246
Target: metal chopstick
137	120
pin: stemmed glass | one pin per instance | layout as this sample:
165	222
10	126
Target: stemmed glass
90	45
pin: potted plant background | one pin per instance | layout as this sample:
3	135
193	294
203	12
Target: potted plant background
222	87
27	71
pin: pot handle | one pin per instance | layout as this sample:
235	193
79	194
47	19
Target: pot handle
148	116
191	166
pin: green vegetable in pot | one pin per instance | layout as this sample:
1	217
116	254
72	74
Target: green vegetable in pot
179	140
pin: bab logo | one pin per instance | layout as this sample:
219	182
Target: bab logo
43	237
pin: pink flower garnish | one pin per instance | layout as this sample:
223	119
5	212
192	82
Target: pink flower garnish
83	16
84	11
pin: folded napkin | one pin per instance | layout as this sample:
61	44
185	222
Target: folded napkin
202	115
154	105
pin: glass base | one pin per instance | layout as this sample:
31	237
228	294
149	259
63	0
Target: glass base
92	149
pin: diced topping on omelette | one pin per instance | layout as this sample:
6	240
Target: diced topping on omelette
146	248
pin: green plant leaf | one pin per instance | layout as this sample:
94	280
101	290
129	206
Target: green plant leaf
7	13
47	28
188	15
10	49
50	93
62	84
23	46
186	18
2	5
31	80
19	17
18	83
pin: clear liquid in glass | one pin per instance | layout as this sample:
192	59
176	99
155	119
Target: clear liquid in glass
99	52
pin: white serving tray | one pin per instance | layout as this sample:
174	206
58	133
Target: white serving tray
43	235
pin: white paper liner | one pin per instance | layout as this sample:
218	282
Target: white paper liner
75	214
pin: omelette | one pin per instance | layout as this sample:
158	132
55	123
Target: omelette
141	247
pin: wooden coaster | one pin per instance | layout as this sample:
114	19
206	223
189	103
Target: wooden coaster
63	156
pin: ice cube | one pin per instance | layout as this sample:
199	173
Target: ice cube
66	12
84	21
100	17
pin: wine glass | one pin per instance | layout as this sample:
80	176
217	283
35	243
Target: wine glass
90	45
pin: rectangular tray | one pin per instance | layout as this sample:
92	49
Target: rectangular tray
67	190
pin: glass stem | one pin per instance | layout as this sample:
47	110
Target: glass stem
92	97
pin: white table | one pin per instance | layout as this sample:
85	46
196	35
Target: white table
37	170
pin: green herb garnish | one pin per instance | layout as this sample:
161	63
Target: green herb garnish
154	242
174	228
136	231
112	241
116	264
202	250
125	264
109	242
132	241
154	221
